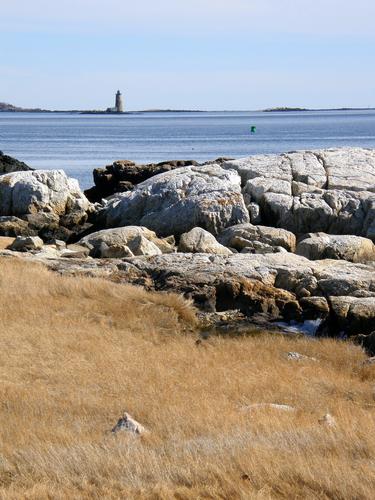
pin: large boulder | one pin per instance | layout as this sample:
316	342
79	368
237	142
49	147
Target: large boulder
9	164
254	238
177	201
200	241
126	241
47	191
123	175
325	246
311	191
44	203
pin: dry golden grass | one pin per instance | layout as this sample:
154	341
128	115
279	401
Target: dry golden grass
77	352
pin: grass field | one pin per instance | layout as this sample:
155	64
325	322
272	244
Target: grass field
76	352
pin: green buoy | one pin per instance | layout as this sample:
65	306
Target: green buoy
253	129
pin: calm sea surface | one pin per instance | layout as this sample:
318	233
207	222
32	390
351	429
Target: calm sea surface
79	143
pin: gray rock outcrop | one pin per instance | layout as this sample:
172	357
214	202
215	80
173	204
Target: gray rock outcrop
330	191
338	295
326	246
197	240
177	201
281	284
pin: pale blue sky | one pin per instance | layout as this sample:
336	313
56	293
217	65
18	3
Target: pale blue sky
207	54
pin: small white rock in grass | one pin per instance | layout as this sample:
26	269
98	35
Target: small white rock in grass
271	406
328	420
26	243
129	424
296	356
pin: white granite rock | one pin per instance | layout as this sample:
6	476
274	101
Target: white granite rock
40	191
126	241
177	201
197	240
26	243
310	191
129	424
326	246
249	236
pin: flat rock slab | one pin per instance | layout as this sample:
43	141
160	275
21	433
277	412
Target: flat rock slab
283	286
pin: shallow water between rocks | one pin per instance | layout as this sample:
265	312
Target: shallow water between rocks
308	328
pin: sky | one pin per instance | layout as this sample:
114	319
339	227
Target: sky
187	54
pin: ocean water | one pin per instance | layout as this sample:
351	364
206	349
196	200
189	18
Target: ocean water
80	143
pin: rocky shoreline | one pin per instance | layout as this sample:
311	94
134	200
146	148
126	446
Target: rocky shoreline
265	239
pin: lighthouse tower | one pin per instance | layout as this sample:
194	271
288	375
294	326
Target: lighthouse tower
119	105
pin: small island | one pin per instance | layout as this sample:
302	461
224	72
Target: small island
284	109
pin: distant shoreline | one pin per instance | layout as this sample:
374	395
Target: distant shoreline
289	110
4	108
9	108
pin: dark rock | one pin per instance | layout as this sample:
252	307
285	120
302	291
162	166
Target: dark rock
73	219
124	186
94	194
219	161
69	235
314	307
367	342
13	226
49	235
9	164
42	220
